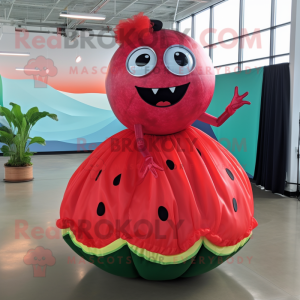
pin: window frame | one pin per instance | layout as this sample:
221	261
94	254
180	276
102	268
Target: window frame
192	24
240	62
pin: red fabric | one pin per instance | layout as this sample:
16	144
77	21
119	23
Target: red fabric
197	191
139	26
128	106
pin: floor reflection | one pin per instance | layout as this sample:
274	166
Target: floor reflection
213	285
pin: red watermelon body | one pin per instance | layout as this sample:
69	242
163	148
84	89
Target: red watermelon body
194	216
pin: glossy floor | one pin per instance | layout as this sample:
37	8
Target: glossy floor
268	267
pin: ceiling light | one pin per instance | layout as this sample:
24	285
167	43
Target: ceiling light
22	69
14	53
78	59
84	16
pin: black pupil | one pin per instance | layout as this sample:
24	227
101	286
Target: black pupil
142	60
181	59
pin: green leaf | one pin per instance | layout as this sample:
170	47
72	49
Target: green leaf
23	128
13	147
17	140
3	140
5	148
30	112
40	115
37	116
38	140
6	129
53	116
5	112
16	111
7	135
28	154
6	151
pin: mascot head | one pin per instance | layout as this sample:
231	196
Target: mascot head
161	79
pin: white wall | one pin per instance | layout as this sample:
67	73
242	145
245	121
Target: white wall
295	97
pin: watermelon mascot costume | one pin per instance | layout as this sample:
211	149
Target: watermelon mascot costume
161	199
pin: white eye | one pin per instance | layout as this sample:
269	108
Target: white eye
141	61
179	60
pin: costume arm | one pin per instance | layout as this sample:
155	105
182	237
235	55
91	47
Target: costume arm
149	164
139	136
235	104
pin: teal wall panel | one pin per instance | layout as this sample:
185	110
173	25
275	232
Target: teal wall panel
239	134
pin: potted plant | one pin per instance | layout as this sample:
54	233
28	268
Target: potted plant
17	141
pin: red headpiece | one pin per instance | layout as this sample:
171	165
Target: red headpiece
132	28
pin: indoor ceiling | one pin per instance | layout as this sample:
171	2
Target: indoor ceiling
45	13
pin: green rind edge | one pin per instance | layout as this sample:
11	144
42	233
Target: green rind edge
135	266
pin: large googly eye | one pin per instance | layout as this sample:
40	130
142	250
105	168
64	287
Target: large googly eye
141	61
179	60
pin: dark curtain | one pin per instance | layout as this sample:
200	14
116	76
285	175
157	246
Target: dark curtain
270	169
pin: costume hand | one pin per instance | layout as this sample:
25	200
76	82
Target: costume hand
149	165
237	102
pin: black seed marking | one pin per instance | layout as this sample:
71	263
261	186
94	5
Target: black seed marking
230	174
199	151
101	209
163	213
234	204
170	165
117	180
98	175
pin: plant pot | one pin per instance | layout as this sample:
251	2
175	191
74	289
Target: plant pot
18	174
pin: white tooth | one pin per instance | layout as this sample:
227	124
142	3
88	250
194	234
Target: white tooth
172	89
155	91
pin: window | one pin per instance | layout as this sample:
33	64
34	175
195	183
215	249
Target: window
284	11
282	59
201	28
263	39
186	26
226	20
256	46
225	53
282	40
257	14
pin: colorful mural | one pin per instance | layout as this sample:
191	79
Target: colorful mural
1	92
86	119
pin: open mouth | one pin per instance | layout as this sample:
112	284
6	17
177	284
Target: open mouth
163	97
